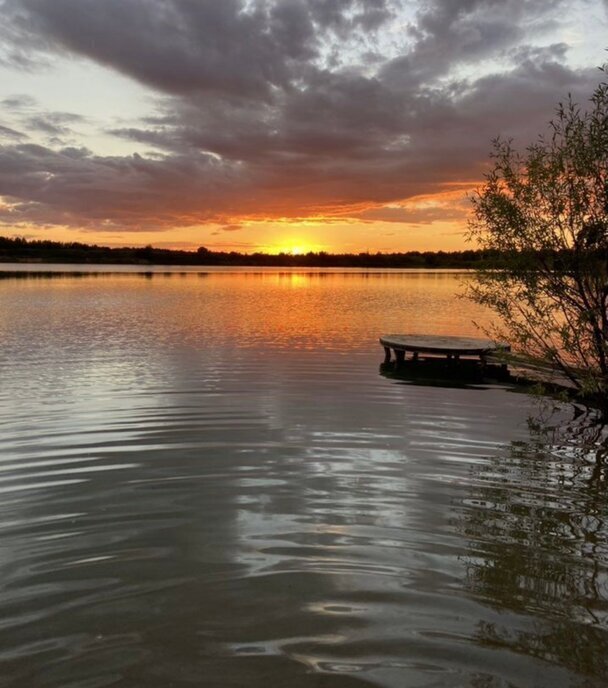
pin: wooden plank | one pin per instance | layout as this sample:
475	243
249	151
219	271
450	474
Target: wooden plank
526	369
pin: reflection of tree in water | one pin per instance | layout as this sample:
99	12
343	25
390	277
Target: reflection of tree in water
538	527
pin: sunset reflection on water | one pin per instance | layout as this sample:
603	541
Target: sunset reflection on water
206	481
278	309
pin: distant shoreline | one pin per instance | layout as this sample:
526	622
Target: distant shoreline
40	251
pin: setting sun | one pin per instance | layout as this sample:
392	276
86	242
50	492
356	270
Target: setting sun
295	249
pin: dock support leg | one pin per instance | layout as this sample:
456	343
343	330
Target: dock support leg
399	357
387	354
415	356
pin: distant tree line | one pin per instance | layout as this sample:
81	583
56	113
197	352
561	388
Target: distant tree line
41	251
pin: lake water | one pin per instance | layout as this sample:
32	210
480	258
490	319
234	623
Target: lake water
206	481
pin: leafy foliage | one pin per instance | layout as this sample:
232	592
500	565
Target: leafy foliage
547	211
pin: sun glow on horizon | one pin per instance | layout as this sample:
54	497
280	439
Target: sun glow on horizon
296	248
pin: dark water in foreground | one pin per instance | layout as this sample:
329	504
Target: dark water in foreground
204	481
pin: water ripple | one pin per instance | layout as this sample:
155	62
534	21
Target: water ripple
206	482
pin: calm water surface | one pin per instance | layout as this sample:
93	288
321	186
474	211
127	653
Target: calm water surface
205	481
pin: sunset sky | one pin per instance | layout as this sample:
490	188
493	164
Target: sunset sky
296	125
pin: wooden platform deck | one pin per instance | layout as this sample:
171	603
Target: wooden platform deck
497	361
451	347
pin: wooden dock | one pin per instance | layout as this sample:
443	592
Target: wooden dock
398	345
497	361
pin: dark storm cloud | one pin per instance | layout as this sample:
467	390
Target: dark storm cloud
176	46
73	186
183	46
344	16
453	32
257	117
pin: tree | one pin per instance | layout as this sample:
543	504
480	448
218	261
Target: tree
546	213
